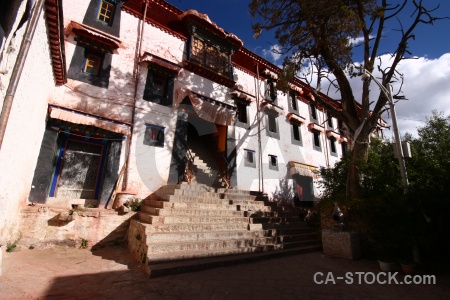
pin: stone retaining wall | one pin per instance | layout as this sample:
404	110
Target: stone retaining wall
43	226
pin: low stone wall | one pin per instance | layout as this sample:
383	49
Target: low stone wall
46	226
137	243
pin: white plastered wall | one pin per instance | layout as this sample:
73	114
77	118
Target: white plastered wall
24	130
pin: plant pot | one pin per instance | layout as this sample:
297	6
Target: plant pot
408	269
386	266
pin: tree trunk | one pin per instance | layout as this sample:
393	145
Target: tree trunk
359	155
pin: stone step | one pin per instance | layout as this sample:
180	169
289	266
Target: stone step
293	231
204	245
186	263
272	220
187	186
238	197
298	244
208	235
184	198
296	238
233	191
189	227
293	224
208	206
192	193
191	212
146	218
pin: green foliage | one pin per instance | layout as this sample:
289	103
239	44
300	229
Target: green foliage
84	243
390	218
134	204
429	173
11	246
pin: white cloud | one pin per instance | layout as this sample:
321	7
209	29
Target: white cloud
272	53
358	40
426	86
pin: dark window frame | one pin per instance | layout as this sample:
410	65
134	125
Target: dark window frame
330	121
154	135
242	112
166	98
273	162
77	66
112	12
247	162
210	56
293	102
317	143
272	123
270	92
313	112
296	126
333	148
89	54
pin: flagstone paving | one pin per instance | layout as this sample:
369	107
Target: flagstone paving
70	273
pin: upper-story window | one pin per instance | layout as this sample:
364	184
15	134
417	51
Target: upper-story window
159	85
209	49
91	60
313	111
292	99
91	63
329	120
210	56
106	11
270	91
103	15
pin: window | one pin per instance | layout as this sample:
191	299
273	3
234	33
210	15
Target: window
105	12
273	162
210	56
313	109
242	111
316	140
92	64
154	135
296	136
249	159
159	87
270	91
333	147
272	124
292	100
329	120
89	64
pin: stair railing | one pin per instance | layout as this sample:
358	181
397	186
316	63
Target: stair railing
224	170
189	169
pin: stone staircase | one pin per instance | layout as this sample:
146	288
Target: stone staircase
204	165
187	227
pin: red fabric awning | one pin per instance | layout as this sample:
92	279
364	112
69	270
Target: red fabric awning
208	109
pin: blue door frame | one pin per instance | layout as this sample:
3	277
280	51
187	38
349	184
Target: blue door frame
63	144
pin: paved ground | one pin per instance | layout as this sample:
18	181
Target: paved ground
68	273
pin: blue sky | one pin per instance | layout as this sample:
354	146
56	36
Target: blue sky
427	78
